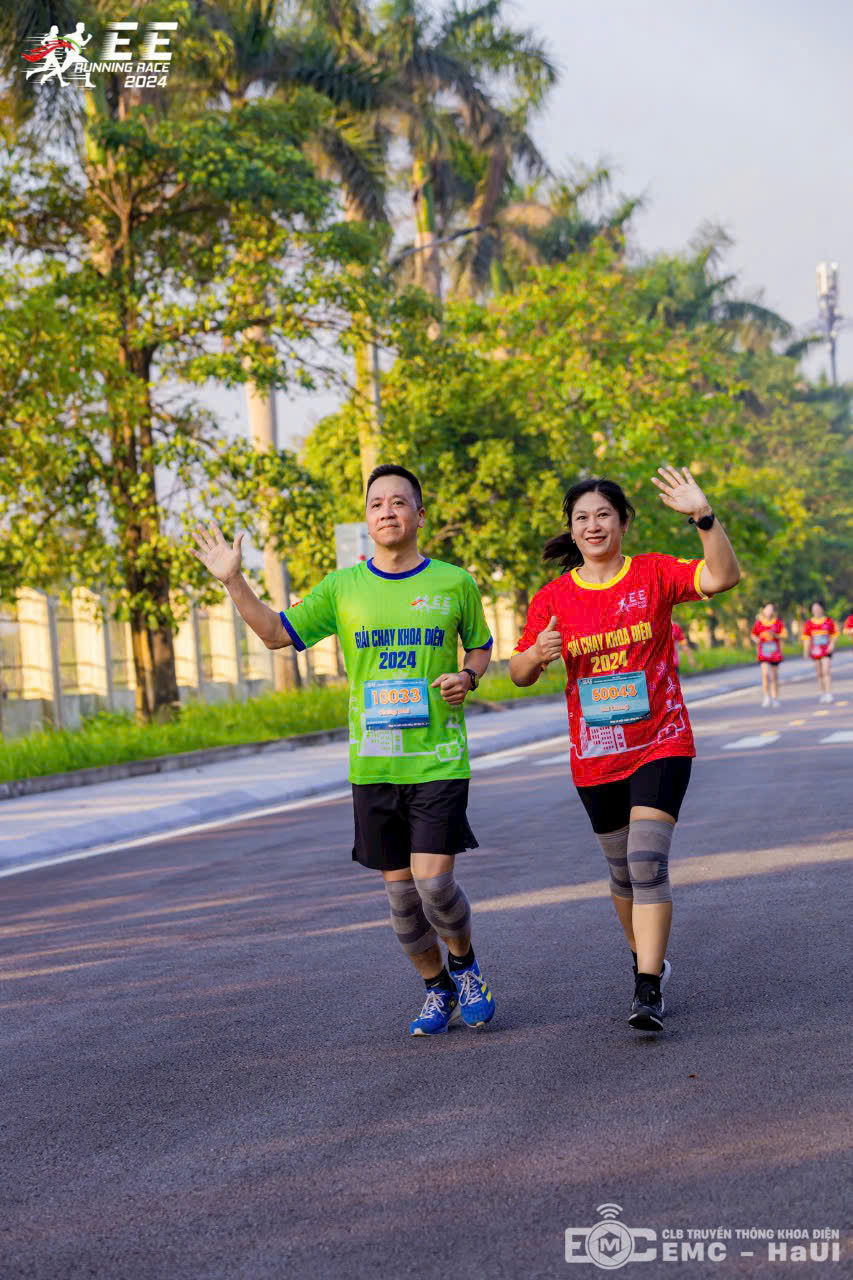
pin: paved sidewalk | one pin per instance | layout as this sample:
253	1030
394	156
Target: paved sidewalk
76	819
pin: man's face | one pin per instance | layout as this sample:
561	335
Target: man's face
393	514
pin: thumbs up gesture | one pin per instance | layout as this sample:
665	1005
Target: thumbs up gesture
549	643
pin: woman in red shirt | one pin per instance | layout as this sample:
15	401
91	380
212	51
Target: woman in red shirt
767	636
679	641
818	644
608	616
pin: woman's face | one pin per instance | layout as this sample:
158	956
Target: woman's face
768	612
817	610
595	527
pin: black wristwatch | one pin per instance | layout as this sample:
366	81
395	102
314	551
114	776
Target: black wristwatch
704	522
473	675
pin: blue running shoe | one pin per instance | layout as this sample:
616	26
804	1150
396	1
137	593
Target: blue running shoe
440	1009
476	1001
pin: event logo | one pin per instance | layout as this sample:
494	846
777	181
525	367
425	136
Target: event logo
437	604
61	58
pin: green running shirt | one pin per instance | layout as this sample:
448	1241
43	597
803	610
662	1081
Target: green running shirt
393	627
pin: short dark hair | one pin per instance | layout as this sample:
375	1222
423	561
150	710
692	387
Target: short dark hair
391	469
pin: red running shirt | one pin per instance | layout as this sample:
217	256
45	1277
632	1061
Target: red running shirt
820	631
848	625
769	647
620	626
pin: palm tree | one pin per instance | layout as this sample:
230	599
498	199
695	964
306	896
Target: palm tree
445	67
544	223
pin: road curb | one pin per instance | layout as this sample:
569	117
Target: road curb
17	787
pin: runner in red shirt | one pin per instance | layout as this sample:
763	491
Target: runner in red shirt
767	635
818	644
608	616
848	625
679	640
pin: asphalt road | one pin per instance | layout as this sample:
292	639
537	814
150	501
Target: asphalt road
206	1071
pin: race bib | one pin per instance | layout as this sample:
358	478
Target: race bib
820	649
605	700
396	704
768	649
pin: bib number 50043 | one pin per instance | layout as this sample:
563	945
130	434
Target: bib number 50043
614	700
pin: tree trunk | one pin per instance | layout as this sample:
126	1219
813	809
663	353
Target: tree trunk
368	391
146	576
427	259
713	622
263	429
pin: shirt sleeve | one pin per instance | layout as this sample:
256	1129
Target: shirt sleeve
833	629
473	628
314	618
679	579
539	615
807	627
756	629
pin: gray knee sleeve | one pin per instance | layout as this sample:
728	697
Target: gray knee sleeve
445	906
615	846
648	860
407	917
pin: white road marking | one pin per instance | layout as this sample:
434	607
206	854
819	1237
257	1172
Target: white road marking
492	762
756	740
840	735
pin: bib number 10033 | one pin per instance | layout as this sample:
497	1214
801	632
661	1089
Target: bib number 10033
397	704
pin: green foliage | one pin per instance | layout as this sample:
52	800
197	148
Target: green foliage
188	248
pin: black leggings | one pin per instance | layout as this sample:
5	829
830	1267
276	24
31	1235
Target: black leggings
660	784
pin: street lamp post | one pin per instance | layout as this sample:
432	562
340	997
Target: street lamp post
827	302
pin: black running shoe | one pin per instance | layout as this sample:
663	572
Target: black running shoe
664	973
647	1007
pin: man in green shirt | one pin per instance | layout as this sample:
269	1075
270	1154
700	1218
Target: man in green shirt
398	617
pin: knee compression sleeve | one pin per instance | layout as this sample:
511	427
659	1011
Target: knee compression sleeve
445	906
615	847
648	860
411	926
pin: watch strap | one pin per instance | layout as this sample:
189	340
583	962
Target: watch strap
473	675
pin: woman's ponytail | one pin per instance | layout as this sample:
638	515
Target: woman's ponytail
563	547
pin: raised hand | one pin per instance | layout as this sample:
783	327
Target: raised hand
215	554
549	643
680	491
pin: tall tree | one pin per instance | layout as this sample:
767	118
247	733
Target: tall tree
166	230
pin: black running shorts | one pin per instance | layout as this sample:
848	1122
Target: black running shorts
392	821
660	784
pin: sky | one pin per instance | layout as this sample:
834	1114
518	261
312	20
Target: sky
737	113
